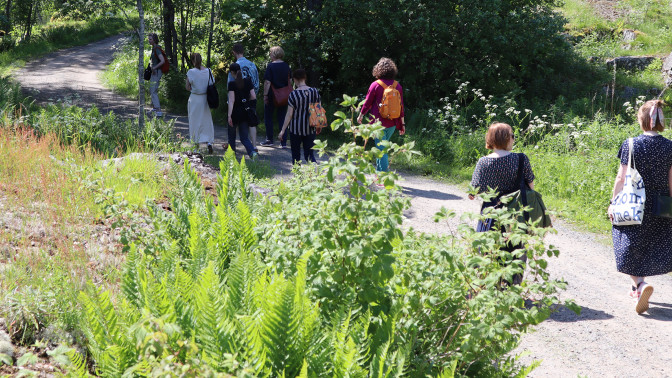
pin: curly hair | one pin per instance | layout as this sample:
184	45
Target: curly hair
644	116
385	69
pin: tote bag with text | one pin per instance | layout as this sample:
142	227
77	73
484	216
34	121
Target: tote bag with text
627	207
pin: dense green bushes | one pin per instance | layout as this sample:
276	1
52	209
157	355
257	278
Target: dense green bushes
500	46
316	279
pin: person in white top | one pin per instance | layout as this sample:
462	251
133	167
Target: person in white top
201	129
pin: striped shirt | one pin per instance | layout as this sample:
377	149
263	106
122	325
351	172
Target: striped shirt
300	101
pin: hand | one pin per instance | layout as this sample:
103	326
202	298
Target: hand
281	135
610	213
360	118
471	197
403	130
230	121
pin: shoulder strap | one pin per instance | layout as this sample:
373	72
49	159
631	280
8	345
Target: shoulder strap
631	147
380	82
213	79
394	84
523	187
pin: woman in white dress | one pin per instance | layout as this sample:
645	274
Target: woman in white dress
201	129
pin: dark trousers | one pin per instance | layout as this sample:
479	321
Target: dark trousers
269	109
488	225
308	142
244	137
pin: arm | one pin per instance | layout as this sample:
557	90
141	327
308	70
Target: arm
187	84
368	103
288	118
253	96
402	131
618	185
232	99
267	87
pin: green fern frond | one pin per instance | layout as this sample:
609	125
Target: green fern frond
129	279
78	362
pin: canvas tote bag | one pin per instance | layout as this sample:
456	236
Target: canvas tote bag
627	207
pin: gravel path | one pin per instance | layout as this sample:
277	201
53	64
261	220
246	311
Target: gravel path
608	339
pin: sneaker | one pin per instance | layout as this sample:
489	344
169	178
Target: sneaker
284	146
254	155
210	150
644	292
266	143
158	113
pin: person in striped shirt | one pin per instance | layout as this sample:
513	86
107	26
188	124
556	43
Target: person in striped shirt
298	116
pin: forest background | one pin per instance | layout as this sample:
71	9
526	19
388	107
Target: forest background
537	64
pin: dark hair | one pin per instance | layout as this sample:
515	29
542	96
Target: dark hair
299	74
234	69
197	60
385	69
498	136
238	49
154	37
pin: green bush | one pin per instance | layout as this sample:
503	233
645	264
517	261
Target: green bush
316	279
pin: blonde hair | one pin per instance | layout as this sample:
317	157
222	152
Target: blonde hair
644	116
498	136
277	52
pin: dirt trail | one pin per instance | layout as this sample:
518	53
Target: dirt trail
608	339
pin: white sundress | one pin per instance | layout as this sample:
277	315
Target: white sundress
201	129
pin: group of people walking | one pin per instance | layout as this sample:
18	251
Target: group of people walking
641	249
287	99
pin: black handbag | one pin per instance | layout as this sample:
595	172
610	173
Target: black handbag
212	94
148	72
250	107
662	206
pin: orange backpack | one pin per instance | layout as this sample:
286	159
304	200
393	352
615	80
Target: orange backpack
318	116
390	106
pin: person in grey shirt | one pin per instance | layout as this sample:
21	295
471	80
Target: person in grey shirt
249	70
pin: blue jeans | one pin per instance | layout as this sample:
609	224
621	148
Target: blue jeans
383	164
308	143
244	136
268	119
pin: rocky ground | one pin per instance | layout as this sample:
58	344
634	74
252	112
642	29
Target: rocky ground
607	339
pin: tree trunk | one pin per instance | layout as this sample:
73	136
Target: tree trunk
141	67
8	8
169	41
29	23
212	26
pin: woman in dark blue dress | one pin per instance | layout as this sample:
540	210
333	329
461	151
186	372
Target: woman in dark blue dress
499	171
646	249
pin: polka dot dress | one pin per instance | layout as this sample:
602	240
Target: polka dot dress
500	173
646	249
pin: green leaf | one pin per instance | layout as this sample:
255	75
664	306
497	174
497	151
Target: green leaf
27	359
5	359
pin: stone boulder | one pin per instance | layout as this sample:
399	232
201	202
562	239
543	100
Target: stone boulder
667	70
630	63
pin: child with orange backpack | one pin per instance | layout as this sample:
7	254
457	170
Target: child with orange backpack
385	102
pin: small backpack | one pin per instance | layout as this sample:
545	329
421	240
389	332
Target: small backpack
390	106
318	116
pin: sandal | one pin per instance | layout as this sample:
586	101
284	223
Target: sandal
644	292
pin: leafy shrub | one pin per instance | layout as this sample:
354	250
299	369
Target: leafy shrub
317	279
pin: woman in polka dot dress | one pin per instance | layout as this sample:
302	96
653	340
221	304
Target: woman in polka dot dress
499	171
646	249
